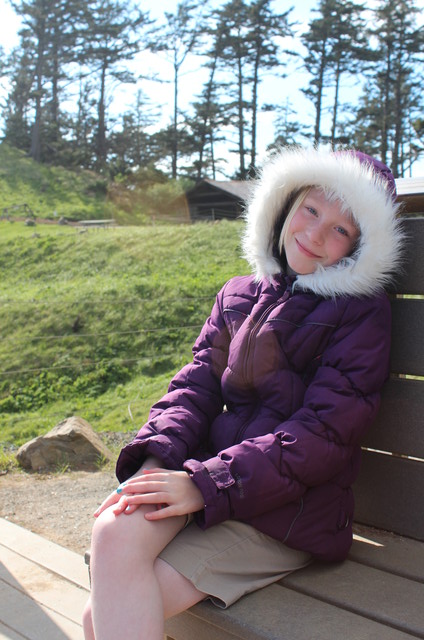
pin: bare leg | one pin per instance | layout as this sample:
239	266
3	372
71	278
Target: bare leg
87	622
126	596
178	593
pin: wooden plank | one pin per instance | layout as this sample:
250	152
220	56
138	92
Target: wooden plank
388	552
377	595
389	494
6	633
399	427
47	554
411	279
411	194
408	186
278	613
28	619
187	626
407	350
42	586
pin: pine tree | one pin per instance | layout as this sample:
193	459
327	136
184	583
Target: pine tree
35	16
112	38
66	20
350	53
83	127
235	55
266	28
287	129
393	89
179	37
131	147
335	45
49	42
20	72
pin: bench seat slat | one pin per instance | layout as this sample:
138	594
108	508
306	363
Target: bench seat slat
369	592
399	427
388	552
277	613
389	494
189	626
407	350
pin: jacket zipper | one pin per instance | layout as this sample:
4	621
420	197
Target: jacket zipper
254	331
259	324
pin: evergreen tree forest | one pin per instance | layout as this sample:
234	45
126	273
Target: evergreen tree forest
363	67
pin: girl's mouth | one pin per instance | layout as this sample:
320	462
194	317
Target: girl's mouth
306	251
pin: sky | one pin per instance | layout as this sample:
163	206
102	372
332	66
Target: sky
193	73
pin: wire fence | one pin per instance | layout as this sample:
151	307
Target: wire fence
186	334
76	336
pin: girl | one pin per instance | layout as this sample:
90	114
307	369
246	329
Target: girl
257	439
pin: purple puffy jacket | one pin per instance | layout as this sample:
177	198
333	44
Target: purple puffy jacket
268	416
286	377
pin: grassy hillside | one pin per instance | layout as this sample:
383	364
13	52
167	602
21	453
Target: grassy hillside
92	321
49	192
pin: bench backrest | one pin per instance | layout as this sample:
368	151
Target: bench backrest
389	492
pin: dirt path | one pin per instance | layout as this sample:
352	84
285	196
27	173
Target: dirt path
58	507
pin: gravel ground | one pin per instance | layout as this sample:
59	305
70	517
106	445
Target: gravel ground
58	507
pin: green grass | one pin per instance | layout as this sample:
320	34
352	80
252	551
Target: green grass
49	192
92	322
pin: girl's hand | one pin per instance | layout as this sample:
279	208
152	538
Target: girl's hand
172	492
116	496
110	500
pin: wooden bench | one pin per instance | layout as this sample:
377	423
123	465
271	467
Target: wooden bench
378	592
96	224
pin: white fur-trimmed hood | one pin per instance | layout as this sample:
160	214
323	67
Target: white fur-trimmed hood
360	187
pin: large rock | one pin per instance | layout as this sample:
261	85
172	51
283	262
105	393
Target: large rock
72	443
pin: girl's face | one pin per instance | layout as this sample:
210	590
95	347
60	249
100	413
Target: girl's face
318	233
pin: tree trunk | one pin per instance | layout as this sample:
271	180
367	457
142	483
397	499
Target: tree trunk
399	117
101	130
254	110
174	141
386	107
241	120
35	150
335	106
206	117
320	89
54	135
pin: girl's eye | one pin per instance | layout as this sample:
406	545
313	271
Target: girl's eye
342	230
312	210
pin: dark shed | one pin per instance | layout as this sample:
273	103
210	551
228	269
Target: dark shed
217	199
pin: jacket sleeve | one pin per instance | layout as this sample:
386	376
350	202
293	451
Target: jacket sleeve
317	442
178	424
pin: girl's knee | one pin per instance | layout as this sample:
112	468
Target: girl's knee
130	538
115	535
104	529
109	529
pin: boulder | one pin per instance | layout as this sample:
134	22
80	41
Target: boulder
72	443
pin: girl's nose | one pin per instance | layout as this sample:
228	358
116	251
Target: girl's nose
316	233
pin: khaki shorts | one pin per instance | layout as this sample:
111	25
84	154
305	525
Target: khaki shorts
230	560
